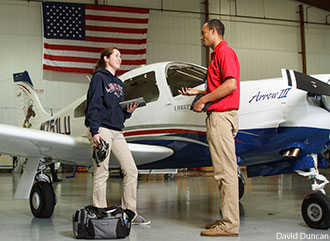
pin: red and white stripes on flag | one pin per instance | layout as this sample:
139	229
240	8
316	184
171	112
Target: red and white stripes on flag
75	34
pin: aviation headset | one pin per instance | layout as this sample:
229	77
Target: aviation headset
100	152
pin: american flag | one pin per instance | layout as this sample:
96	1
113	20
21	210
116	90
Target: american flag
75	34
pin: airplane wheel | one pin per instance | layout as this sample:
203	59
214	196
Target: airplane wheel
240	188
42	200
316	210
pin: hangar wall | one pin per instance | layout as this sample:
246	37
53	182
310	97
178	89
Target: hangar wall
263	43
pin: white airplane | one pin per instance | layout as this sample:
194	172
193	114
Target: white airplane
283	127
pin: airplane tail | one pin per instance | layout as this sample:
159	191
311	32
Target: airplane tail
30	113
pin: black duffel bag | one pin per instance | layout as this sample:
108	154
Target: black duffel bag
102	223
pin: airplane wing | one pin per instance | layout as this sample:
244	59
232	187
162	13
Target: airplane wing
24	142
36	144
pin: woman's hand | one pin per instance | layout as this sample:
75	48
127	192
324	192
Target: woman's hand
96	139
188	91
131	107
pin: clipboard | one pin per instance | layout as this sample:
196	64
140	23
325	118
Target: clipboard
140	101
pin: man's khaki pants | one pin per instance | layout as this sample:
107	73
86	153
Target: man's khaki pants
221	130
121	152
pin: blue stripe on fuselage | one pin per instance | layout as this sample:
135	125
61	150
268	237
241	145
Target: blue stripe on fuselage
254	146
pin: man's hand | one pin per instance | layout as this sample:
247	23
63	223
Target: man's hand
199	105
189	91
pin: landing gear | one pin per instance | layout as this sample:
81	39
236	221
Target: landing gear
315	208
241	183
240	188
42	200
42	196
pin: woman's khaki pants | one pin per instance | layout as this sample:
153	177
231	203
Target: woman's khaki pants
120	150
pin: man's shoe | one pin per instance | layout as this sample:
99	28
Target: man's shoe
217	231
139	220
211	225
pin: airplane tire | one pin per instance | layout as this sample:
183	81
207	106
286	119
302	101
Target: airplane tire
42	200
315	210
240	188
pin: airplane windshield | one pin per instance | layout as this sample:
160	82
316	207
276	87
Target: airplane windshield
184	75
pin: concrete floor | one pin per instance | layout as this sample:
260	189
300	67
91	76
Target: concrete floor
179	208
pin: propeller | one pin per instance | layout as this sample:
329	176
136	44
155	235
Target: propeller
305	82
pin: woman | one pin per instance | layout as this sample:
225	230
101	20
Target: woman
105	120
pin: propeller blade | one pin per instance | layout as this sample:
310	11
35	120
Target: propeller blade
305	82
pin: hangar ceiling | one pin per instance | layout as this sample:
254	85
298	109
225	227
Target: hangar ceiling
322	4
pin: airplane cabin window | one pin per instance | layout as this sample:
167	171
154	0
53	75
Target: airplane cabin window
184	75
142	86
80	110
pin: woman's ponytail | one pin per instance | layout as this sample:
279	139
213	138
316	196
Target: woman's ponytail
101	62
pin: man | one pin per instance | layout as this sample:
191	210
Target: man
54	174
223	91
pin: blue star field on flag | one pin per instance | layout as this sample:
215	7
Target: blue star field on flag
64	21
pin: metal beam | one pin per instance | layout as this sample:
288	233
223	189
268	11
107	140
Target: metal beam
302	37
206	20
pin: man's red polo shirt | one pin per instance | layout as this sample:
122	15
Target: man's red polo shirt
224	64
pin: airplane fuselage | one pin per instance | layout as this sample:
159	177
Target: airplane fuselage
270	120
